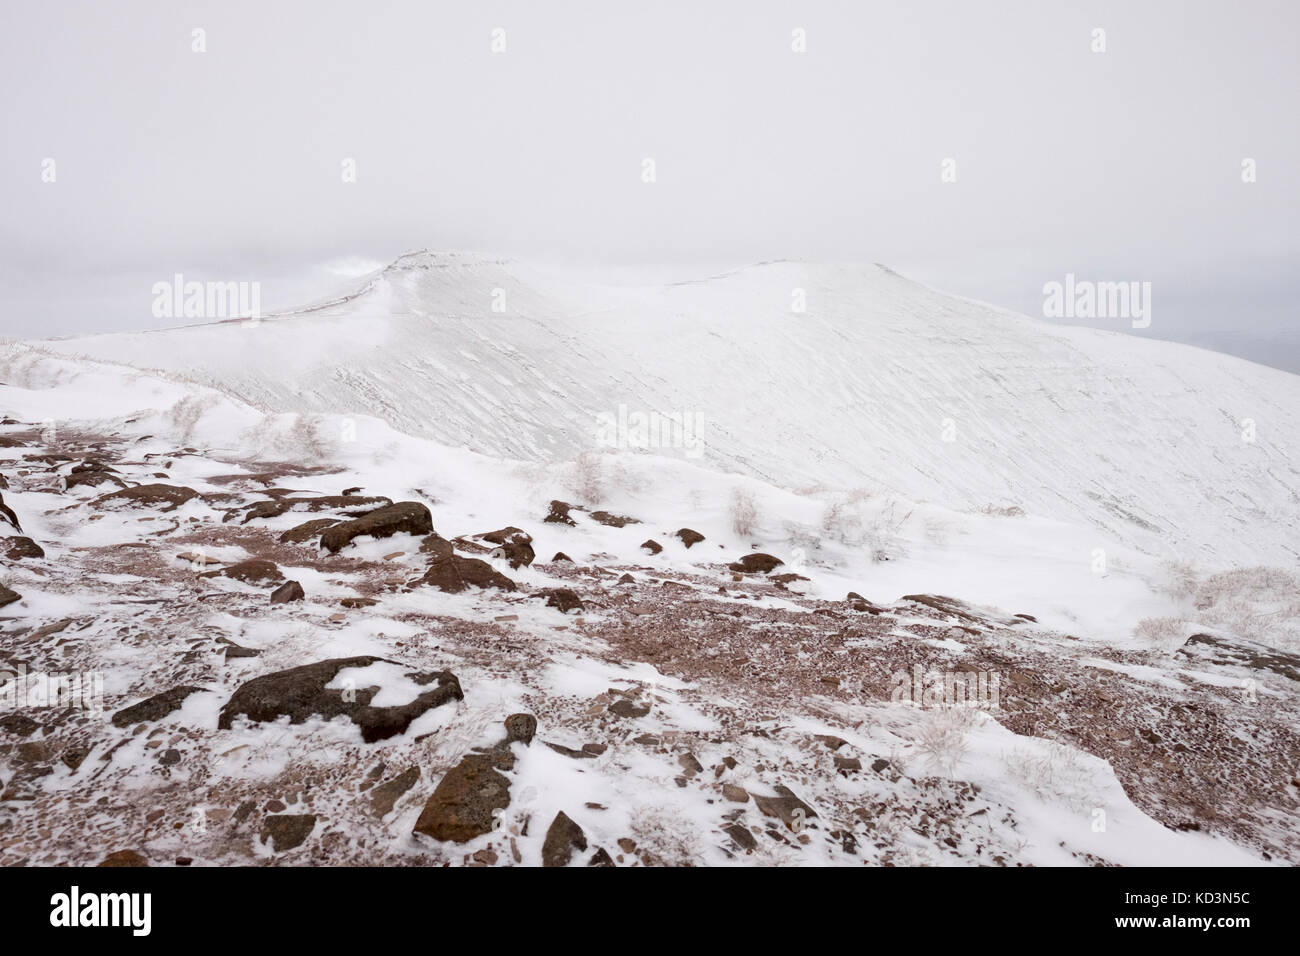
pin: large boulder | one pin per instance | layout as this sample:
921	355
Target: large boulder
300	693
287	830
252	571
559	513
353	506
91	474
154	708
409	517
612	520
7	515
785	805
514	545
17	548
166	497
385	796
454	574
301	533
563	838
563	599
756	563
461	807
689	536
521	728
436	545
8	596
286	592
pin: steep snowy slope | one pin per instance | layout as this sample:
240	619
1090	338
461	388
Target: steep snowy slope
881	384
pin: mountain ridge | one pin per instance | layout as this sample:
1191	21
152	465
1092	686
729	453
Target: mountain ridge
881	383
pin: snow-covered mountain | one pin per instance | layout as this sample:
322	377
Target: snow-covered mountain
220	643
878	384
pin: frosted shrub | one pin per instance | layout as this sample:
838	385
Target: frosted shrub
1058	775
941	738
884	530
307	437
587	480
857	520
1166	633
1259	604
844	517
1178	580
185	414
744	513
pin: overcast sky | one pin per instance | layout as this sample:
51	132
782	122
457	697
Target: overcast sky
227	164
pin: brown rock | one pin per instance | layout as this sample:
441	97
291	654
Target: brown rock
756	563
559	513
91	474
17	548
300	693
563	599
787	578
252	571
436	545
409	517
154	708
612	520
515	546
741	836
563	837
386	795
286	592
307	530
353	506
570	752
455	574
734	793
8	515
626	708
460	809
125	858
521	727
784	805
170	496
287	830
689	537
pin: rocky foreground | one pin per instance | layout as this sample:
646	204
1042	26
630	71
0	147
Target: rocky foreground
276	665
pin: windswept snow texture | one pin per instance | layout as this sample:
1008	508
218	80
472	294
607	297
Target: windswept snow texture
1174	450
